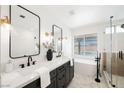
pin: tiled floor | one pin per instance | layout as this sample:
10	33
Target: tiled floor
84	77
118	80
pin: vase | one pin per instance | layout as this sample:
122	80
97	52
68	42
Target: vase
49	55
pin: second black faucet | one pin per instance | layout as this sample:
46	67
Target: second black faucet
29	60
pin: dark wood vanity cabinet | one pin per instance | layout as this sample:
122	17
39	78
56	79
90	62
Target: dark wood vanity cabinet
60	77
64	75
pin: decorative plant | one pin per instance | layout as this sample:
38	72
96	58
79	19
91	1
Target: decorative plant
47	41
48	45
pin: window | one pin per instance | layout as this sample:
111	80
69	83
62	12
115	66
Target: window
108	30
85	45
115	29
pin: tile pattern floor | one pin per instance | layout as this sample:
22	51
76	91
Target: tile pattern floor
118	81
84	77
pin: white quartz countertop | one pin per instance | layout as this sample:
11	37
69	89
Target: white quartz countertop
23	76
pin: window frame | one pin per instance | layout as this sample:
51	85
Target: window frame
84	36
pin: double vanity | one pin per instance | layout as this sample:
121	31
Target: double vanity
61	71
25	42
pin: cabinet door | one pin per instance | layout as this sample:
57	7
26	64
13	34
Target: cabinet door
67	66
120	57
61	79
53	74
71	72
53	83
53	79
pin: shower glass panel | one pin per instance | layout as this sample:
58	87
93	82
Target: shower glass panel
120	55
108	50
113	58
114	50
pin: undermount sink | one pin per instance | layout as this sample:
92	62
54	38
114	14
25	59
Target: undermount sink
24	72
29	69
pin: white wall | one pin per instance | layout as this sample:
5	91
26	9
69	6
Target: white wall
47	20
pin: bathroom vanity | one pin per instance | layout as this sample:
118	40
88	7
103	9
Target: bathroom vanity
60	69
60	77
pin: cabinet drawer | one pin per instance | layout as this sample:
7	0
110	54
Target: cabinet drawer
61	68
53	73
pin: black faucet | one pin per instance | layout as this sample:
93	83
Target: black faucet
29	59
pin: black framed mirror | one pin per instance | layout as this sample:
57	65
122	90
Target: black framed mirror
57	38
24	38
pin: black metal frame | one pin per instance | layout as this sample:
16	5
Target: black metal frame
53	26
10	33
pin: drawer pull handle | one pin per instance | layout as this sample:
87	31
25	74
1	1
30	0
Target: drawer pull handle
61	69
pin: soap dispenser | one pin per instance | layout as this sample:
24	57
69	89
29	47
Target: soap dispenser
9	66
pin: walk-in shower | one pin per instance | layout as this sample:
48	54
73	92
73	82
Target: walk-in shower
113	55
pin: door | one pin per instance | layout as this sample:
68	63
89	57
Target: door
108	52
120	55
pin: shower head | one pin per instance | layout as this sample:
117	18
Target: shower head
122	26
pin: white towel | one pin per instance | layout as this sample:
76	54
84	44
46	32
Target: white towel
71	61
44	76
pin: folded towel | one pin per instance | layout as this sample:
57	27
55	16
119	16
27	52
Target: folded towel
44	76
71	61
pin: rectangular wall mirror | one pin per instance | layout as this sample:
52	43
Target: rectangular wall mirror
57	38
25	32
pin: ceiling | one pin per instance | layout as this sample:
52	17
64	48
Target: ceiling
79	15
